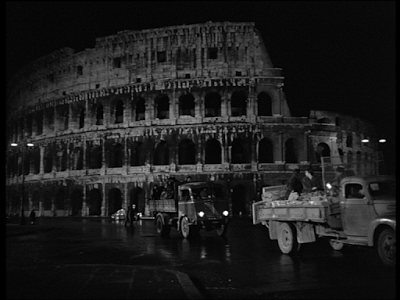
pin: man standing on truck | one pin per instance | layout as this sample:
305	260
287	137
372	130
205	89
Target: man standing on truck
294	183
311	182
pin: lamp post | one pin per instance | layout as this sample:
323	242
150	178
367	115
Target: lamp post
24	147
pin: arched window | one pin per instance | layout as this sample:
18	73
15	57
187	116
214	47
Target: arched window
162	106
292	147
212	105
187	152
48	160
82	118
99	115
238	152
119	112
116	156
323	150
39	122
59	203
265	151
136	154
186	105
238	104
140	109
96	157
213	152
66	119
264	104
161	154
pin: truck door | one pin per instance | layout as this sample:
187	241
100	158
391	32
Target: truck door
355	210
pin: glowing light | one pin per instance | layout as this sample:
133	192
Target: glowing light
201	214
382	141
328	185
365	140
30	144
14	144
225	213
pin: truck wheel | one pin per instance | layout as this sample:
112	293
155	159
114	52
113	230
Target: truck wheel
162	229
387	247
221	231
185	228
336	245
287	239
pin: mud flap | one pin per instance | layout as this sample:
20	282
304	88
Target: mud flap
305	232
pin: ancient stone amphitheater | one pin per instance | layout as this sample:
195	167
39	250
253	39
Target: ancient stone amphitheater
200	101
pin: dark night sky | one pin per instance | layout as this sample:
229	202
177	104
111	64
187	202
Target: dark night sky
335	55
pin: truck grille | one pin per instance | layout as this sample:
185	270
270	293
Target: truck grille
210	212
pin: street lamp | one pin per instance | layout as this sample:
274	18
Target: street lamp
25	146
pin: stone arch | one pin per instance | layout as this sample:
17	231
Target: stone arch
238	104
239	200
292	150
76	202
48	159
136	157
137	197
161	106
264	104
265	151
140	109
96	157
114	200
116	155
187	152
100	114
186	105
213	152
238	154
212	104
161	153
119	111
323	150
93	202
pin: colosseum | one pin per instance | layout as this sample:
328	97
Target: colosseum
200	101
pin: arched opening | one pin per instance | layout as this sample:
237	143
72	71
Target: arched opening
46	200
39	122
162	107
213	152
60	201
94	202
100	115
82	118
137	198
140	109
238	104
187	152
212	105
239	200
186	105
48	159
264	104
76	202
136	154
265	151
238	152
114	200
116	156
119	112
292	148
36	200
96	157
323	150
161	154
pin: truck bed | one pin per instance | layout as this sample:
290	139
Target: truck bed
162	205
284	210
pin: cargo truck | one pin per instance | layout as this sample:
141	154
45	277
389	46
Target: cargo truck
192	206
361	210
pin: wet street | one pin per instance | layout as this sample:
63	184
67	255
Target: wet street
81	258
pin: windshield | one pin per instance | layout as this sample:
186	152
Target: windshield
207	192
383	189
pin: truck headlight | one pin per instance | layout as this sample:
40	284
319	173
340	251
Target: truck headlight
201	214
328	185
225	213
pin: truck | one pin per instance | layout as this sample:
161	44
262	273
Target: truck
191	207
359	210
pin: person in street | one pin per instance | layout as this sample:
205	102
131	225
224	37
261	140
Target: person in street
294	183
32	216
311	182
130	215
204	193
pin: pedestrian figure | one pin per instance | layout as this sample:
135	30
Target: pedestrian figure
294	183
130	216
32	216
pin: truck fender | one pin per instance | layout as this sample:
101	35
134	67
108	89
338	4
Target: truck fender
164	218
273	229
305	232
375	226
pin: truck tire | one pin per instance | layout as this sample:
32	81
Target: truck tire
336	245
387	247
287	239
162	229
221	231
185	228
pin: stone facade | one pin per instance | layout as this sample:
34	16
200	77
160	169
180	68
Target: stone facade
201	101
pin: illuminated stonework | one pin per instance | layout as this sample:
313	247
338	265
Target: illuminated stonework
200	100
